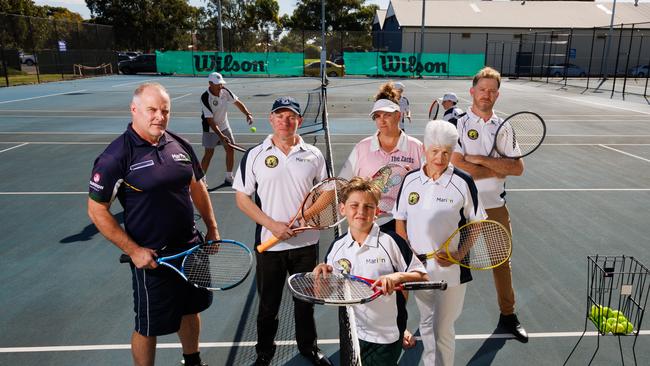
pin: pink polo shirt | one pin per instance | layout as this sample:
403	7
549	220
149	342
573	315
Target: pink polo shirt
367	156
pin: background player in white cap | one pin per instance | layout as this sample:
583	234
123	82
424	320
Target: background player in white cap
216	128
451	114
403	104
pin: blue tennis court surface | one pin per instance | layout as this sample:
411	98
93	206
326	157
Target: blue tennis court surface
66	300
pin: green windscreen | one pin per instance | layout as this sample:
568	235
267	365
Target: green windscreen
230	63
412	64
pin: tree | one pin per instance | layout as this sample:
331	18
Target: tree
146	24
350	15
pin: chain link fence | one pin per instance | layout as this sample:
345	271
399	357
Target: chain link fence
33	50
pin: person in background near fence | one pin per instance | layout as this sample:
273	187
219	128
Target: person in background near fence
404	105
380	323
156	176
388	145
476	130
451	114
214	118
433	203
279	173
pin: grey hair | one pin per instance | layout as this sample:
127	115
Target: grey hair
142	87
440	133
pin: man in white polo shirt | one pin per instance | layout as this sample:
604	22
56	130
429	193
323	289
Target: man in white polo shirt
476	131
404	104
214	120
279	173
451	112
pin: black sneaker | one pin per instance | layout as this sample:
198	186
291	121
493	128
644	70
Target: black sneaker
200	364
263	360
511	324
316	357
227	183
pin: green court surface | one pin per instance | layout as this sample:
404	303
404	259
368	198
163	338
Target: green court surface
66	300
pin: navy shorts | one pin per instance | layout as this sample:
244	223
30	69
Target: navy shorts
160	299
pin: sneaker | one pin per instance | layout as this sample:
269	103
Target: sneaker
227	183
511	324
316	357
201	364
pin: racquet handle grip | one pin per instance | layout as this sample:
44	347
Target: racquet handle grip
125	259
267	244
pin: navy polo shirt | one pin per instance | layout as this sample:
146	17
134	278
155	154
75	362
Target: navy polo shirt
152	185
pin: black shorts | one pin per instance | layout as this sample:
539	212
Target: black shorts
160	299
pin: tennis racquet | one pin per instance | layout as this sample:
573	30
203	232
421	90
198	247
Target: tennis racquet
519	135
483	244
319	210
433	110
237	147
339	289
215	265
389	179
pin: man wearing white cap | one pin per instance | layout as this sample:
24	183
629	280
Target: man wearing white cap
214	118
403	104
452	112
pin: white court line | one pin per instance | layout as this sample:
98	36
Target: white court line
182	96
600	104
42	96
14	147
104	347
131	82
624	153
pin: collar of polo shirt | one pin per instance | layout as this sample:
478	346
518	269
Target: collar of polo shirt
444	179
268	143
402	144
494	119
372	240
139	141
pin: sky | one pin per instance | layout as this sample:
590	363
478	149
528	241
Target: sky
79	6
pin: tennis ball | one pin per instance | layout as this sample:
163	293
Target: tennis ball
614	313
622	319
253	129
629	328
620	328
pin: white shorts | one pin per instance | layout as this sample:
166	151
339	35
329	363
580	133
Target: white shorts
212	139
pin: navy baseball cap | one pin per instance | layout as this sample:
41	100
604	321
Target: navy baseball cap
286	103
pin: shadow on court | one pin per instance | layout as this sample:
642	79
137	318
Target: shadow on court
88	232
486	354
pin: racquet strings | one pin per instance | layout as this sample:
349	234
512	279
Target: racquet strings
526	130
487	245
217	265
321	208
332	289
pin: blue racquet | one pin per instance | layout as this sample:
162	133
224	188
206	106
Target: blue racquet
215	265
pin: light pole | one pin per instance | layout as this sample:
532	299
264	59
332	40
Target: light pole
219	27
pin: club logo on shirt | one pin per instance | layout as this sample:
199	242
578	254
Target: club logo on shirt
97	178
344	265
271	161
414	198
472	134
215	102
180	157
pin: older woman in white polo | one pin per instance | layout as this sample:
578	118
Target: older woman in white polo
434	201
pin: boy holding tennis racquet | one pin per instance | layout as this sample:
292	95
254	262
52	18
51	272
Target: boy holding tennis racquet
473	153
368	252
435	201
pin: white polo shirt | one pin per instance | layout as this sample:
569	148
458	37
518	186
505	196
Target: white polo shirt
476	137
216	107
451	115
433	210
380	254
279	183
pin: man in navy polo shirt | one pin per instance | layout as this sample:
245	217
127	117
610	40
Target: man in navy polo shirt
156	177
